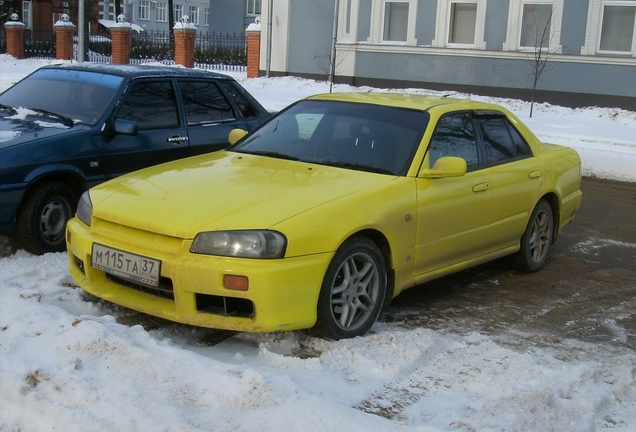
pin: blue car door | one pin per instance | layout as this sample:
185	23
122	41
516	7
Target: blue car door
209	115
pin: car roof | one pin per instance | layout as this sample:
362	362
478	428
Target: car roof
407	100
134	71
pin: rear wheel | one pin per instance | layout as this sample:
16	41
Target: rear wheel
352	292
537	239
42	218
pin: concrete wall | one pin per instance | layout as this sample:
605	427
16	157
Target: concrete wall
310	46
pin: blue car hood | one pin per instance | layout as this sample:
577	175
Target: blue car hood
16	130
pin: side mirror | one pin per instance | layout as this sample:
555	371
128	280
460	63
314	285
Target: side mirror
236	135
125	127
447	166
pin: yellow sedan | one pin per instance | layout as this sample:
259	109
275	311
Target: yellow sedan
322	215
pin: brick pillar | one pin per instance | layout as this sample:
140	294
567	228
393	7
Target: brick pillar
184	44
64	31
253	50
15	37
121	35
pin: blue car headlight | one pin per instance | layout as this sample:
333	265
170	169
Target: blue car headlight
85	208
262	244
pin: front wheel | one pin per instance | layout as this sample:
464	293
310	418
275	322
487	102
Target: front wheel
41	224
537	239
352	292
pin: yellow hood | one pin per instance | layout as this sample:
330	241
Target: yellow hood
223	190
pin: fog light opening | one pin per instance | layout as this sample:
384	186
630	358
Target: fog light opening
238	283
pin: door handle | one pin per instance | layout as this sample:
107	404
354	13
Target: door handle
534	174
177	139
480	187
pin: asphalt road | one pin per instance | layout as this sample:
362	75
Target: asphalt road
586	291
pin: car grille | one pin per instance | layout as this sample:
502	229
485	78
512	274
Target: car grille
164	289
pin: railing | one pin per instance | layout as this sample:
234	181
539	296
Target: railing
211	51
39	43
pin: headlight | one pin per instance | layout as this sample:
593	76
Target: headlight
243	244
85	209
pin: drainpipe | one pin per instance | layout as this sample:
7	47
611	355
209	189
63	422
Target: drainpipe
80	32
268	57
332	71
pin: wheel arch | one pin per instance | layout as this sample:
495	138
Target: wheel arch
380	240
71	179
553	200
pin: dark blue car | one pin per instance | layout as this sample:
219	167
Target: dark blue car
66	128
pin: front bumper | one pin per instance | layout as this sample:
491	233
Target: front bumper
282	294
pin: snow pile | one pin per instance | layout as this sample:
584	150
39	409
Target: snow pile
65	364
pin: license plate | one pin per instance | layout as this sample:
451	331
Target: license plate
126	265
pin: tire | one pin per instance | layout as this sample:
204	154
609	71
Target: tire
41	223
352	292
537	239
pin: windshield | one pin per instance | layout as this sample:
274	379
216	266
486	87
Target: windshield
351	135
79	95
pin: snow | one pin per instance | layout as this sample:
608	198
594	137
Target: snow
67	364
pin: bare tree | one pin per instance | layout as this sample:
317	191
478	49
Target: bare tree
541	55
329	67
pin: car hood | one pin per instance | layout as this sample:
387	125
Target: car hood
16	130
223	191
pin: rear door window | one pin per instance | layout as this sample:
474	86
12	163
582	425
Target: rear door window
248	111
502	143
204	102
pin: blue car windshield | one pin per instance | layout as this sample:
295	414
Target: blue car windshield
81	96
350	135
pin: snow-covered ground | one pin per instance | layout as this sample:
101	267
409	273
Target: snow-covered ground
66	364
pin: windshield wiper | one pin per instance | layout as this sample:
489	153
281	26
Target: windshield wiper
64	119
358	166
274	155
8	108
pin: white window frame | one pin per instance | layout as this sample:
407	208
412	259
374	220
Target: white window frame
143	12
348	21
443	25
162	12
193	13
27	14
251	9
177	10
378	9
206	13
594	28
515	22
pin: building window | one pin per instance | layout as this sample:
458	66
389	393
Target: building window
396	21
253	7
144	10
391	21
162	12
26	14
617	28
178	12
193	13
536	25
207	16
460	24
610	28
463	19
